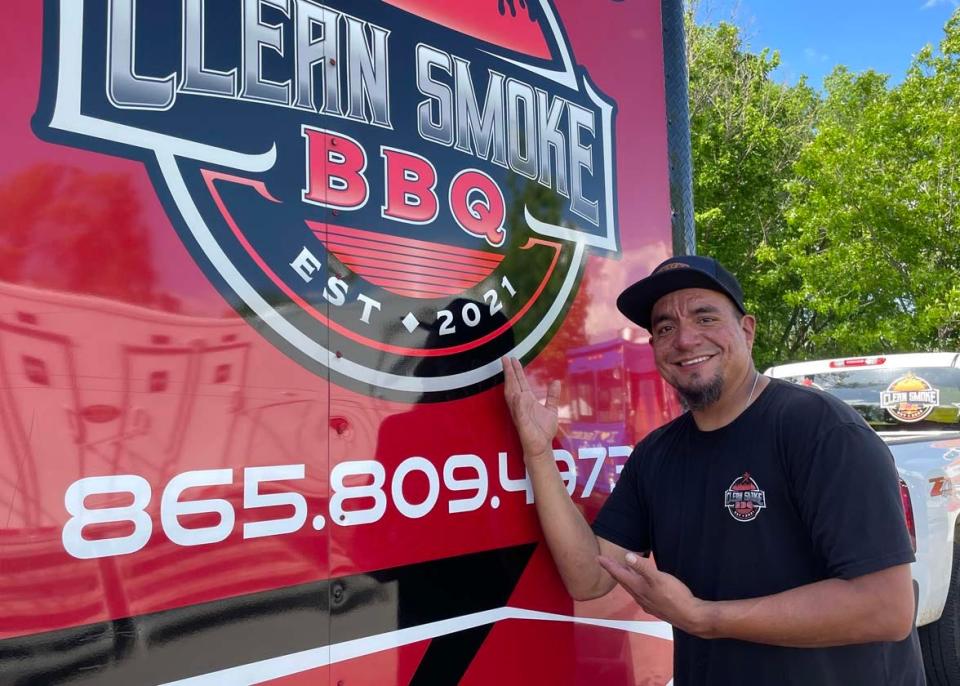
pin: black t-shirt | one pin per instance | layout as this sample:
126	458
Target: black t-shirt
795	490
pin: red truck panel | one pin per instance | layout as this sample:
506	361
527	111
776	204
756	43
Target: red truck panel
258	261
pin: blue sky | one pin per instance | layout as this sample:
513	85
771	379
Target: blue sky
813	36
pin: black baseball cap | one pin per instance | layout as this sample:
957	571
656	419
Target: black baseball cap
674	274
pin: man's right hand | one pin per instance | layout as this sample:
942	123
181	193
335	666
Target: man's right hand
572	544
536	422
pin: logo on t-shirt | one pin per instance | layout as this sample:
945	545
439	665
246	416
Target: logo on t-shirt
744	499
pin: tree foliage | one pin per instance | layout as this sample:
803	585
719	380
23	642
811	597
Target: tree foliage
837	210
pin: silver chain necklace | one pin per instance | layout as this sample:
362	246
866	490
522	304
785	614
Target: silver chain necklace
756	380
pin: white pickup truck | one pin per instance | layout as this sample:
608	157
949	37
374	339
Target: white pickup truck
913	402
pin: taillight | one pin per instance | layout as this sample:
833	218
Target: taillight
857	362
908	514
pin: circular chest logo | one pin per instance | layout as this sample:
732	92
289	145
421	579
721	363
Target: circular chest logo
395	195
744	499
910	398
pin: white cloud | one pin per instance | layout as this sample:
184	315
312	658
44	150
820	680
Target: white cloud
929	4
814	55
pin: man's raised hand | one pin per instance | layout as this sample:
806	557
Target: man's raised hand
536	423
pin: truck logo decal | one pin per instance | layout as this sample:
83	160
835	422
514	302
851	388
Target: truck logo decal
910	398
396	203
744	499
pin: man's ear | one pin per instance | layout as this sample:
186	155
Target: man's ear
748	324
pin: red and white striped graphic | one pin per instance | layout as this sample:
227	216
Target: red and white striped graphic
407	266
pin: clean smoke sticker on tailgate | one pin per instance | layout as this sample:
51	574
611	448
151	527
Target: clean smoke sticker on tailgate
910	398
395	194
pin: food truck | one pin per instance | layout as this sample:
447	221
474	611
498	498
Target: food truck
259	261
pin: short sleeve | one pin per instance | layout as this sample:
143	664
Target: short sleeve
848	494
623	519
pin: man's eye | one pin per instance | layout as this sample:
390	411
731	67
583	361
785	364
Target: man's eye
663	330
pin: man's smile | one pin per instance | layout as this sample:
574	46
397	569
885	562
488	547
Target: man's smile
694	361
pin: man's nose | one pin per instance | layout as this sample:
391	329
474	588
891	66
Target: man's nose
687	337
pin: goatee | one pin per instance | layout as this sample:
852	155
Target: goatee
701	397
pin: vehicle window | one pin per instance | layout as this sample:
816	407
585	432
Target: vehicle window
609	396
583	396
901	399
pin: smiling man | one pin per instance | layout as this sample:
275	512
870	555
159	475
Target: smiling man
773	513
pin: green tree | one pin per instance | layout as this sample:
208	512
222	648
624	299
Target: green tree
747	132
869	259
837	211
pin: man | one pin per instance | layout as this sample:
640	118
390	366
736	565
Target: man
780	553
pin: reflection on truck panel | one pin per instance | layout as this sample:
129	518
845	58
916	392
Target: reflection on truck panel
616	392
160	394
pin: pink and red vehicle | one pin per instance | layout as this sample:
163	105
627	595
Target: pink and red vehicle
259	260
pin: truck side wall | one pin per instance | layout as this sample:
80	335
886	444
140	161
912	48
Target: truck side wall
251	311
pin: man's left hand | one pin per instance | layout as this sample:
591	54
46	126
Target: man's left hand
658	593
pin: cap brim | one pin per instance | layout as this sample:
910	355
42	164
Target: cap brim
636	302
